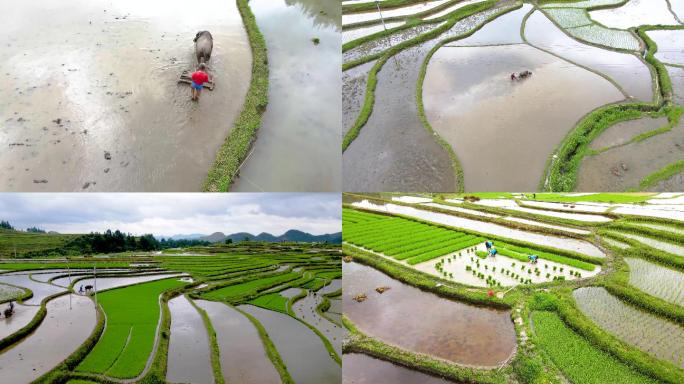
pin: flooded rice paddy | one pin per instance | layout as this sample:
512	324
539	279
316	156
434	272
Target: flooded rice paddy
243	357
624	167
302	351
21	317
189	356
539	224
40	290
628	70
670	45
656	336
635	13
657	244
69	321
421	322
354	83
374	15
490	120
102	110
622	133
493	229
496	267
362	369
305	309
8	292
302	119
512	205
403	153
658	281
115	282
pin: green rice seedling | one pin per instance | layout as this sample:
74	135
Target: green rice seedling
578	359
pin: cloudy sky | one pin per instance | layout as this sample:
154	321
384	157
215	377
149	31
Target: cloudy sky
166	214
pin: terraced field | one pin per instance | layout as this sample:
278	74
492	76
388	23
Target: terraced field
429	103
578	316
177	318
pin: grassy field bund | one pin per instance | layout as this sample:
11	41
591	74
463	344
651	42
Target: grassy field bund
570	328
133	339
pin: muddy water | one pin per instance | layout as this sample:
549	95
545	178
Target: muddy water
302	120
624	167
499	128
661	245
627	70
658	281
290	292
354	82
635	13
674	183
670	45
357	33
503	30
334	285
422	322
40	290
513	206
493	229
189	359
677	78
674	213
540	224
569	207
363	369
243	357
395	12
621	133
462	210
113	282
384	43
21	317
305	309
62	331
104	80
656	336
403	155
302	351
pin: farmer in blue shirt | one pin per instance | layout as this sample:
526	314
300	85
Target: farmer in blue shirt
492	252
489	245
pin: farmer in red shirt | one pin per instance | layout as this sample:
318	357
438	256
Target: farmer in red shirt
199	77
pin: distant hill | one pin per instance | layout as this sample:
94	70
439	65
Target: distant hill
23	243
193	236
291	235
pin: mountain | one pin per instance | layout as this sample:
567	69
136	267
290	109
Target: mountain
192	236
291	235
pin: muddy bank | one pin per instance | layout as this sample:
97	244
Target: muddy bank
394	151
425	323
62	331
243	357
499	127
362	369
354	83
624	167
189	357
626	69
302	351
302	120
102	110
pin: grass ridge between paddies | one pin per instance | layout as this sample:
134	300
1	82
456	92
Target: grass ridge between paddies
132	316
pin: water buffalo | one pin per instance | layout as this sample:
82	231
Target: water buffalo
204	43
9	312
88	287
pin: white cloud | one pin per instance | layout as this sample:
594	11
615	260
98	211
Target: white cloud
166	214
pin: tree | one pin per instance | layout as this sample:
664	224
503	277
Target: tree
6	225
34	230
229	241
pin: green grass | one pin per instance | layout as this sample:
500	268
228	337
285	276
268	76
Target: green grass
580	362
598	197
130	310
236	146
248	287
662	174
521	253
27	244
272	301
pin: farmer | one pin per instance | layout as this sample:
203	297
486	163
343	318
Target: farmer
11	306
513	76
492	252
80	289
533	259
489	245
199	77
